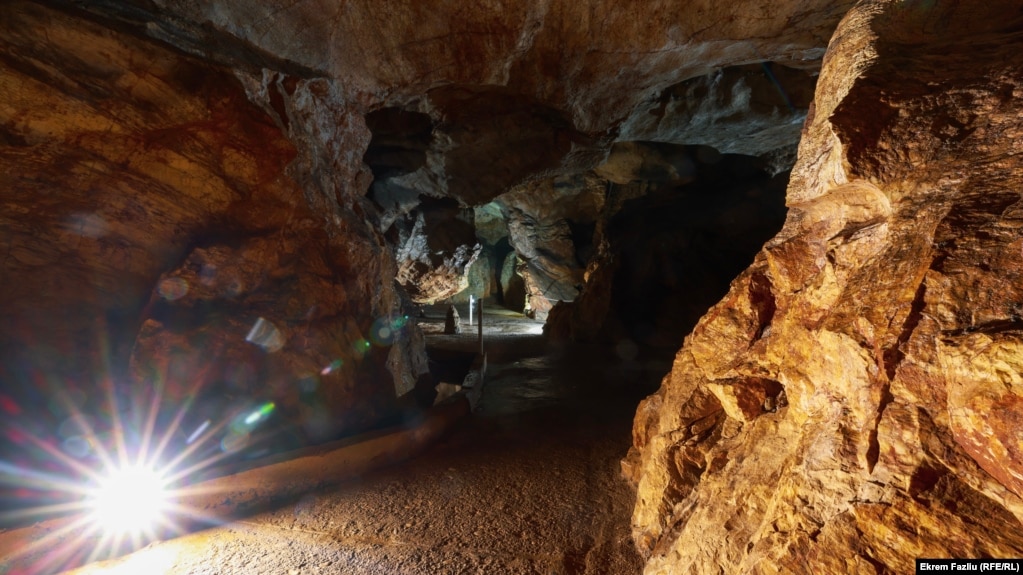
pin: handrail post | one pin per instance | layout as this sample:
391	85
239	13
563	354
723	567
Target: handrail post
480	316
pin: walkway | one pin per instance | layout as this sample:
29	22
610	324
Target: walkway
529	485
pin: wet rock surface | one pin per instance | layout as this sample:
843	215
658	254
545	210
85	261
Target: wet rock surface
826	415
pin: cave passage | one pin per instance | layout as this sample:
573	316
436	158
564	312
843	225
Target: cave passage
531	479
778	241
529	484
222	257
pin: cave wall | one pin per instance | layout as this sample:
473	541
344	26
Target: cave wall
514	91
178	173
550	226
676	227
853	402
753	109
157	209
559	55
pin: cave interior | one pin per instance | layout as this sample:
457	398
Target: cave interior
764	256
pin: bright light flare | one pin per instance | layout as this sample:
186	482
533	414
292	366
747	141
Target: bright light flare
130	501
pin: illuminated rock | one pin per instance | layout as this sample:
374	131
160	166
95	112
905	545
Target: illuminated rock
153	215
853	402
550	224
452	321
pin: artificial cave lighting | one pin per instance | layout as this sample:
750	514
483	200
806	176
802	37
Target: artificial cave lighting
130	501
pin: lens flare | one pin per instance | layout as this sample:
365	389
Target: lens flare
387	330
131	500
198	432
173	288
263	412
382	332
361	346
266	335
332	367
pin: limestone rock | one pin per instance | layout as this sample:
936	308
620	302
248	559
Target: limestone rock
881	326
491	226
629	162
154	212
452	321
669	245
468	103
550	225
557	54
483	275
754	110
513	289
435	250
480	277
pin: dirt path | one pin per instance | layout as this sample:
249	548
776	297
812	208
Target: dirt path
530	485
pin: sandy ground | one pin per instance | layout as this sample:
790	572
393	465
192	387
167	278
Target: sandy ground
529	484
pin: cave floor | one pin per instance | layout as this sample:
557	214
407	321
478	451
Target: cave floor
497	321
529	484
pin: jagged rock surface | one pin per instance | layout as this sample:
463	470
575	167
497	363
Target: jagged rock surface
550	225
470	102
853	402
512	91
556	54
474	100
754	110
153	214
483	276
679	223
436	250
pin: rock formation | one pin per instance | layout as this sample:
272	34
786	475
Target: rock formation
483	275
452	321
468	103
244	199
755	110
853	402
153	217
436	245
550	225
589	63
677	225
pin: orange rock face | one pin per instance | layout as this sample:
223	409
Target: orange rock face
854	401
153	217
